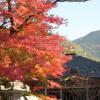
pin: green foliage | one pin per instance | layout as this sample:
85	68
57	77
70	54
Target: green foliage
72	48
91	45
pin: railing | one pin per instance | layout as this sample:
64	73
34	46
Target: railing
14	91
75	93
11	94
80	93
67	93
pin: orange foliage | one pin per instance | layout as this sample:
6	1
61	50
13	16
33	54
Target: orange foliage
27	51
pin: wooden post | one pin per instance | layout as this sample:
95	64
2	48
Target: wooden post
87	89
61	93
45	92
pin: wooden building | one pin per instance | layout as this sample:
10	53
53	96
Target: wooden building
82	82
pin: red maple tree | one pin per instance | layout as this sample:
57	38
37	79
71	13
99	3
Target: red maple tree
27	50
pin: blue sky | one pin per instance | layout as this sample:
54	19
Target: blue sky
82	18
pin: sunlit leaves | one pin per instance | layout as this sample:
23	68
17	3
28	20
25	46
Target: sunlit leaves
43	55
27	51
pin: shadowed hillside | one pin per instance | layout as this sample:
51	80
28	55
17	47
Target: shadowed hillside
85	66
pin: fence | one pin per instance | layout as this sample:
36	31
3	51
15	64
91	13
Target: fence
10	94
78	93
75	93
67	93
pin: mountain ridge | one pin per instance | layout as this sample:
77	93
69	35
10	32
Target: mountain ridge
84	66
91	44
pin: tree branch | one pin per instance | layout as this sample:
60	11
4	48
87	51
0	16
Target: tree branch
27	19
11	18
30	16
54	1
3	24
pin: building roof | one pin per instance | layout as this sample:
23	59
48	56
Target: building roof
54	1
73	0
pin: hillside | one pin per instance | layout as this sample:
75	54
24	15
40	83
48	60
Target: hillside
84	66
72	48
90	44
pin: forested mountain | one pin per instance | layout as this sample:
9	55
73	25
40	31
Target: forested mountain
84	66
90	44
87	58
72	48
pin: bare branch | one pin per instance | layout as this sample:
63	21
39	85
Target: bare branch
2	24
30	16
54	1
11	19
